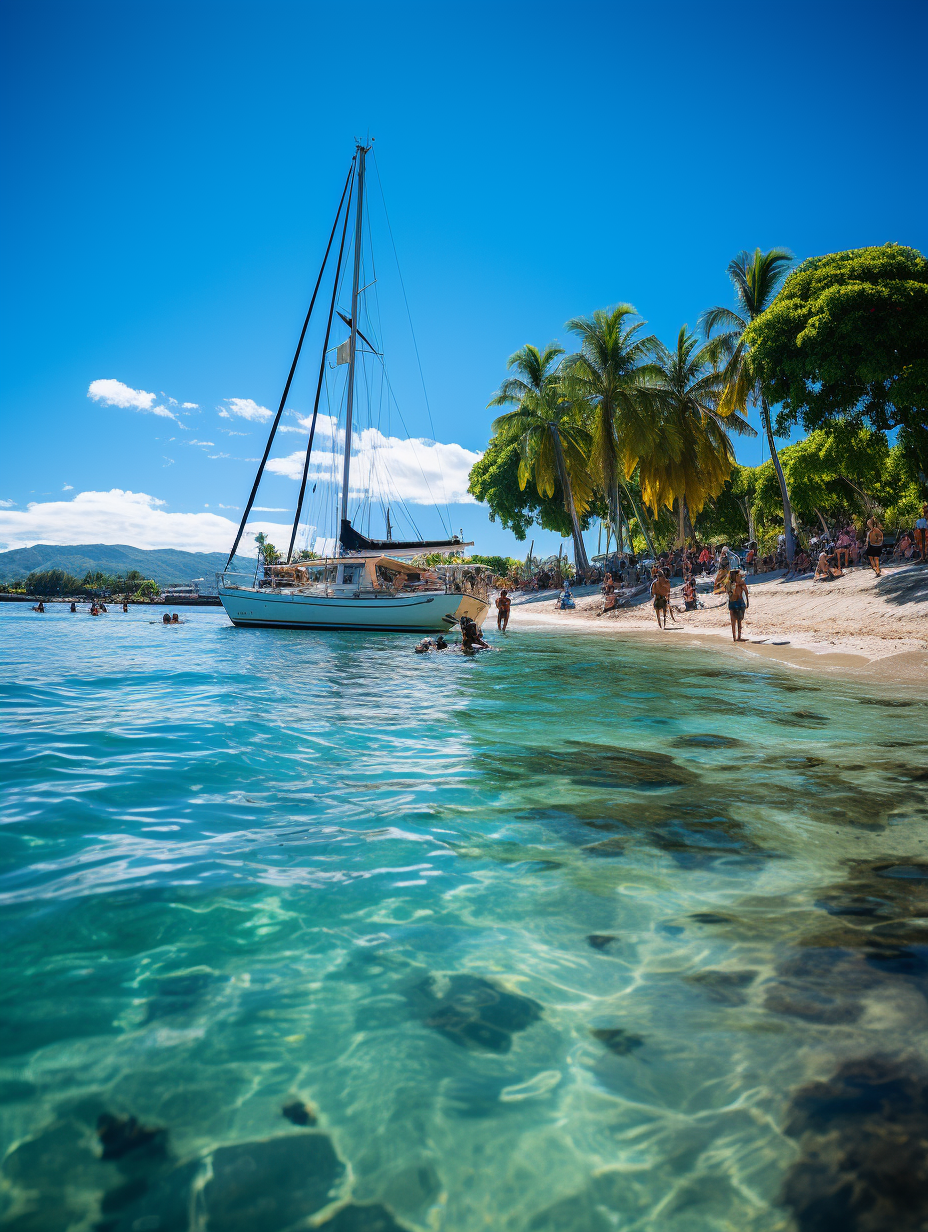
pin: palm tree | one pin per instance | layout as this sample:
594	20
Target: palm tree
694	458
756	278
552	441
612	372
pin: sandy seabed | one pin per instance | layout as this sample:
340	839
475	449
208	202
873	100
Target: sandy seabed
858	623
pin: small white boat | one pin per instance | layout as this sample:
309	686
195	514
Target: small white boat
370	584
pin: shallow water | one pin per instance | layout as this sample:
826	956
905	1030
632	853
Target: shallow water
559	937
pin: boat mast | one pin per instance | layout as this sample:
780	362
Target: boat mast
352	350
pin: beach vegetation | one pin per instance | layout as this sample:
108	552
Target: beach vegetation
547	426
756	278
847	336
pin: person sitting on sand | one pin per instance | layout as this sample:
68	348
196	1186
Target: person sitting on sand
905	548
609	596
660	592
824	571
874	544
738	599
503	606
690	602
565	599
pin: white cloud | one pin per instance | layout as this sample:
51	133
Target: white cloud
223	414
268	509
7	504
211	444
173	401
245	408
221	506
114	393
213	456
68	487
132	518
190	406
421	471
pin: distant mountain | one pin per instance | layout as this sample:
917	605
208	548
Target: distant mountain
165	565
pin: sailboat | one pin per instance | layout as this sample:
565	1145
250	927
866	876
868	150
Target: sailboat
366	583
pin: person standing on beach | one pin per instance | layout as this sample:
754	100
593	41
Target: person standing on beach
874	544
503	606
738	599
921	532
660	591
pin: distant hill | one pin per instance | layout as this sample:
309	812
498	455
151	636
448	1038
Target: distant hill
165	565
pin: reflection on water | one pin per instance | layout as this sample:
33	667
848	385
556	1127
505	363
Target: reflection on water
584	934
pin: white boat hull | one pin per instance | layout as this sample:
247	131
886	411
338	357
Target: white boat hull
413	613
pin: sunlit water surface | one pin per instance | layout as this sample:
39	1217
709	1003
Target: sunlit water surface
545	939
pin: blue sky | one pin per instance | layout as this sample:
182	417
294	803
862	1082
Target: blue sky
171	173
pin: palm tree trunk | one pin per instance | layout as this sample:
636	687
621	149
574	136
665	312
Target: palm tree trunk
687	523
581	564
781	479
678	502
645	529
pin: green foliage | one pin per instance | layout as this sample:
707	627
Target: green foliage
848	335
147	590
53	582
502	566
726	517
494	480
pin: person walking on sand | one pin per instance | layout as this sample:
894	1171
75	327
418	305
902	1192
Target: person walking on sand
874	544
660	591
738	599
503	606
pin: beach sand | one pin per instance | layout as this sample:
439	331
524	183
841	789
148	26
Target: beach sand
869	626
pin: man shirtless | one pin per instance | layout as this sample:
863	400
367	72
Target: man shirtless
738	599
503	605
660	592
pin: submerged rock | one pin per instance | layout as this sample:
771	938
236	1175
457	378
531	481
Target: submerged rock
120	1135
299	1113
362	1218
268	1185
599	941
472	1011
864	1140
725	986
160	1202
617	1040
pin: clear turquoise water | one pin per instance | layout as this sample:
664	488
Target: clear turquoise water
246	867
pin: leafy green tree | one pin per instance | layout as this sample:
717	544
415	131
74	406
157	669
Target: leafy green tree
266	550
848	336
692	457
147	591
755	278
53	582
614	375
553	445
494	480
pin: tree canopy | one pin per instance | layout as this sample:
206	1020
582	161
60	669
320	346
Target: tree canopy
848	336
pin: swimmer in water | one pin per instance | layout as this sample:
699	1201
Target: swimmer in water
503	607
73	607
471	636
424	646
440	643
165	619
39	607
175	619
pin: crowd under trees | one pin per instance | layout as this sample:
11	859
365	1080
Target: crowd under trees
638	435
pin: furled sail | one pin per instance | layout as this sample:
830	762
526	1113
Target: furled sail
352	541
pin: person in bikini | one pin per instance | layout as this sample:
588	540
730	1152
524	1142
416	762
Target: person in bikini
738	599
503	605
660	591
874	544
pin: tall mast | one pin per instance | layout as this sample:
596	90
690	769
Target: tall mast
352	350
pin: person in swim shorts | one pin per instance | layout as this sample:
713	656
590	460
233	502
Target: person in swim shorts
737	603
660	592
503	606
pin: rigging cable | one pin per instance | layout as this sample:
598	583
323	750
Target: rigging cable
328	330
296	357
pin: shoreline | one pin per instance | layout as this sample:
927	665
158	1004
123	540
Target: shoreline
858	625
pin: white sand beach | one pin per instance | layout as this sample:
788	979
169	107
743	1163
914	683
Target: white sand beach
875	626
